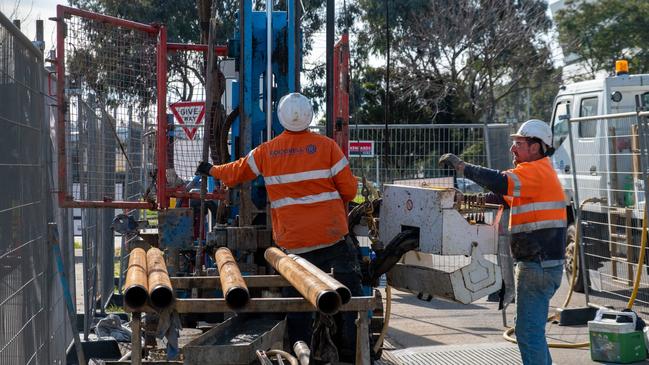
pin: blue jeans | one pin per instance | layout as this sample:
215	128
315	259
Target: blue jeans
535	285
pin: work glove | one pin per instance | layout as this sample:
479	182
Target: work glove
450	160
203	168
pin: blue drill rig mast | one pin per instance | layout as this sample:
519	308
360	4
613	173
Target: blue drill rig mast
253	93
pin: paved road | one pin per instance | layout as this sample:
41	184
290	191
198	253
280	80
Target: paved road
440	325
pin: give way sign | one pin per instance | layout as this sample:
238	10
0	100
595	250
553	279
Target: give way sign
189	114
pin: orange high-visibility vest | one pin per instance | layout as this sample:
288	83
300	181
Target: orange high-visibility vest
535	197
308	181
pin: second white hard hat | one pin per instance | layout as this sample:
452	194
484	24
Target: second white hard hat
295	112
535	128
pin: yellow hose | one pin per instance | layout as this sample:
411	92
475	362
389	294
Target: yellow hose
638	273
386	318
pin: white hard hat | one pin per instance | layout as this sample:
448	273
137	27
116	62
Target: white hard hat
295	112
535	128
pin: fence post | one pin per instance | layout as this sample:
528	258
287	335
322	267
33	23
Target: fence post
53	240
486	143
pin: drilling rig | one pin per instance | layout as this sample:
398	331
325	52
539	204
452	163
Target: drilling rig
430	241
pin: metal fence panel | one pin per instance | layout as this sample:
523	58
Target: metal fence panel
609	174
414	149
110	73
32	317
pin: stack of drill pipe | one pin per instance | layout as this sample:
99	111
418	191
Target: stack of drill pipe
234	288
160	290
136	293
312	288
343	291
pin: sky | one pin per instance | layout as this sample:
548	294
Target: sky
28	11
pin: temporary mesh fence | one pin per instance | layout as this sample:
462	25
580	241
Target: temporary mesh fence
108	109
34	329
609	167
414	150
412	159
110	73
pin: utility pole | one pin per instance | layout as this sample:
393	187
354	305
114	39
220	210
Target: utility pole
386	109
330	64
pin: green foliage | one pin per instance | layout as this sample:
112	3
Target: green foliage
454	61
369	93
473	153
181	16
533	100
182	20
603	31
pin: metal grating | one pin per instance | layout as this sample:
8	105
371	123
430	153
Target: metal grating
480	354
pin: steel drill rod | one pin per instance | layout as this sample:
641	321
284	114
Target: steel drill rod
160	289
233	286
343	291
312	288
302	352
136	293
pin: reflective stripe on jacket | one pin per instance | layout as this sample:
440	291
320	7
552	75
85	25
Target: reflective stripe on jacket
535	197
308	181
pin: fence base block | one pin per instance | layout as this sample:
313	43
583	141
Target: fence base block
575	316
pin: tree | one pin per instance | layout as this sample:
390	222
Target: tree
459	57
182	20
533	102
603	31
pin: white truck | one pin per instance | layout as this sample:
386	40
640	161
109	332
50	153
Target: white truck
605	137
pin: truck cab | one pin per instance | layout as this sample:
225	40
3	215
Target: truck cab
601	145
602	115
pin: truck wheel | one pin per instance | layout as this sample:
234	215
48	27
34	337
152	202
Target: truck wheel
570	256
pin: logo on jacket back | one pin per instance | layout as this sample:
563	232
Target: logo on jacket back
310	149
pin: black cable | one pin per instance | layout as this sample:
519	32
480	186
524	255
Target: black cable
386	132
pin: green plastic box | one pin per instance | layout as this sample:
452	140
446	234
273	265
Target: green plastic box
613	341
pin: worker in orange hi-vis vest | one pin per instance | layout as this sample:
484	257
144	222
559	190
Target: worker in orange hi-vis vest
309	183
538	227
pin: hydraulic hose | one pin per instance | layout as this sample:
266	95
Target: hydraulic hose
404	242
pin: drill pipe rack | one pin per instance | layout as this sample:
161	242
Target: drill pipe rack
361	305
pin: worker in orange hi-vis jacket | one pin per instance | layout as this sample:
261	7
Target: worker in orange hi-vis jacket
309	183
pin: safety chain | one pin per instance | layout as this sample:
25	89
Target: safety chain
373	233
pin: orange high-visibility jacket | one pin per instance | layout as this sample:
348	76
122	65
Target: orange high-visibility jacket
535	197
308	181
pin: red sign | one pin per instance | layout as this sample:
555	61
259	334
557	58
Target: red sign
189	114
361	148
